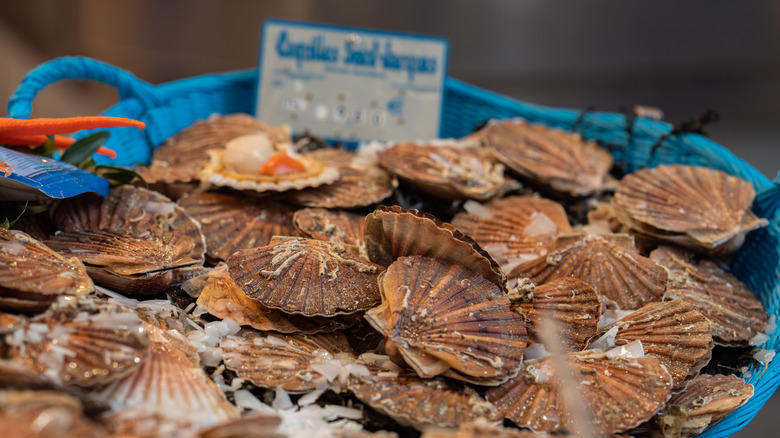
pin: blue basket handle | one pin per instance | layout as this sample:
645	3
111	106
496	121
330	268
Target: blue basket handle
128	85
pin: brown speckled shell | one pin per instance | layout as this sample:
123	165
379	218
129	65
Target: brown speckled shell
445	319
573	305
332	226
734	312
618	394
305	276
503	234
559	160
608	263
481	429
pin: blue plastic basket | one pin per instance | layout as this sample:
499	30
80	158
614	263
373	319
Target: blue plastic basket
168	108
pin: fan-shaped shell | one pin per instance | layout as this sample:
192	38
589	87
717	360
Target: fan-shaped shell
360	183
420	403
674	332
295	363
445	319
305	276
571	303
332	226
559	160
231	222
515	229
393	232
706	400
452	170
32	275
608	263
617	394
44	414
734	312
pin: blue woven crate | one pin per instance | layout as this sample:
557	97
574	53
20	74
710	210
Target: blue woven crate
170	107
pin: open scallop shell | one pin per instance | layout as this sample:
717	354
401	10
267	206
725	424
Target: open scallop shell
442	318
447	170
416	402
32	275
295	363
223	299
573	305
608	263
674	332
360	183
734	312
231	222
514	229
332	226
706	400
561	161
618	393
393	232
306	276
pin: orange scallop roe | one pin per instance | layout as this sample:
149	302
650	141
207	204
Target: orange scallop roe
281	164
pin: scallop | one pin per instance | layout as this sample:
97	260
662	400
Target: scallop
231	222
596	392
549	158
44	414
704	209
734	312
336	226
393	232
450	170
480	429
571	303
609	263
32	275
443	319
515	229
306	276
296	363
420	403
706	400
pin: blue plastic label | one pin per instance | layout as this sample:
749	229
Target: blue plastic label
351	84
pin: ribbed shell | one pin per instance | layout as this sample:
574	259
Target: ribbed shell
359	184
451	171
706	400
513	229
231	222
674	332
223	299
445	319
734	312
305	276
571	303
32	275
289	362
608	263
393	232
420	403
560	160
44	414
332	226
618	393
481	429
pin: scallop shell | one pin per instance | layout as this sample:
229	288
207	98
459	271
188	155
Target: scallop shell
295	363
416	402
561	161
514	229
445	319
617	394
360	184
231	222
223	299
44	414
571	303
450	170
674	332
608	263
254	425
332	226
32	275
706	400
734	312
393	232
481	429
305	276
